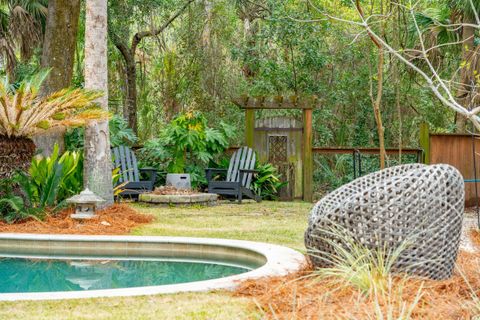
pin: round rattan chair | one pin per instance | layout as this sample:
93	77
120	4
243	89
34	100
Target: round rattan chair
415	205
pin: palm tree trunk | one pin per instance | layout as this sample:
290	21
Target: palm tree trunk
98	165
15	154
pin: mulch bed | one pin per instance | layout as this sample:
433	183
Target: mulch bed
118	219
303	296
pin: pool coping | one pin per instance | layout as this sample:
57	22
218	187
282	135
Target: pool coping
280	261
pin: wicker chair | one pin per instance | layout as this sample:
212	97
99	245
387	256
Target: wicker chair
418	203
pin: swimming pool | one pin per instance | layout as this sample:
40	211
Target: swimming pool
36	267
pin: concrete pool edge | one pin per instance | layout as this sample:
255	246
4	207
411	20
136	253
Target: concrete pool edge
279	261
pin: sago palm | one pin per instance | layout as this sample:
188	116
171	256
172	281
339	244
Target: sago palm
23	113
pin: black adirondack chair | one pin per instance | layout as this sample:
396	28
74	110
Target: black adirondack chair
130	174
238	179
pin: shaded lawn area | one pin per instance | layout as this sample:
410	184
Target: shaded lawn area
274	222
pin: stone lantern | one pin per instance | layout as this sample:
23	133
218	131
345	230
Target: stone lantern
85	204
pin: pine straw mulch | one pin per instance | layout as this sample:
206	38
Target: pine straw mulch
118	219
169	190
303	296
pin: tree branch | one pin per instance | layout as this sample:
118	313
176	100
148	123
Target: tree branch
150	33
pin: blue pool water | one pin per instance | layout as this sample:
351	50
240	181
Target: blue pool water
37	275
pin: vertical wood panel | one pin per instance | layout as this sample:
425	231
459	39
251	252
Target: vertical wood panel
457	150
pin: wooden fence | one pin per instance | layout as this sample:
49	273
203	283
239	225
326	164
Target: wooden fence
457	150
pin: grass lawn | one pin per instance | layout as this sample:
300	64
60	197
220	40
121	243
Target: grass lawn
274	222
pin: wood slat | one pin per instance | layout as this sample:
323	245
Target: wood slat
246	165
136	173
277	102
116	159
241	164
232	174
129	165
123	164
251	166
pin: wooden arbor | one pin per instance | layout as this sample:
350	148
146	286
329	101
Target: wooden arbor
306	104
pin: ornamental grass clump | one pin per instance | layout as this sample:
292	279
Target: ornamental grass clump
24	113
354	264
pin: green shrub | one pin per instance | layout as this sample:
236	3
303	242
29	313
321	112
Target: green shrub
51	180
120	134
12	206
267	181
187	145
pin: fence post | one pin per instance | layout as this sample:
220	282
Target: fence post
307	156
249	127
425	142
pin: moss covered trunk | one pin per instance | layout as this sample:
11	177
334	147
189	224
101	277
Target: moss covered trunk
58	55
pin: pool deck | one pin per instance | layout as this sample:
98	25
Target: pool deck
272	260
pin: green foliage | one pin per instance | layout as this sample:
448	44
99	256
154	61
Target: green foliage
51	180
13	207
187	145
120	134
267	181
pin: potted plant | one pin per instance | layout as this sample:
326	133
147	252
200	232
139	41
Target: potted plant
23	113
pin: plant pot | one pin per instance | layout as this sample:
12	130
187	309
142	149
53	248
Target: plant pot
15	154
179	181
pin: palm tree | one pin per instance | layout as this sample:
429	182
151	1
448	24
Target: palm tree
21	29
437	22
23	113
97	166
467	91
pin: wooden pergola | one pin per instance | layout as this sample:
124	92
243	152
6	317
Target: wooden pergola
306	104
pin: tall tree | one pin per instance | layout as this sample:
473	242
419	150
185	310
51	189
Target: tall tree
98	165
129	52
58	55
59	43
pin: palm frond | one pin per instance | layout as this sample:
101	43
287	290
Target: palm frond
23	113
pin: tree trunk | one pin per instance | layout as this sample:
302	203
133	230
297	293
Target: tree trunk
130	107
58	55
376	108
97	165
467	72
128	53
15	154
60	43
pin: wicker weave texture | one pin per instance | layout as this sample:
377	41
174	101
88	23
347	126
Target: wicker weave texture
417	204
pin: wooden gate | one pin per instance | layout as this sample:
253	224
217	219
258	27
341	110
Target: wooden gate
278	140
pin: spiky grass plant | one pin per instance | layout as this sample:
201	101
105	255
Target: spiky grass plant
354	264
23	114
390	304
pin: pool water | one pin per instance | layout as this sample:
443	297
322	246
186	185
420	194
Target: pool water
40	275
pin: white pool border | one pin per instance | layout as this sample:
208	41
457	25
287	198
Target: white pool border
280	261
